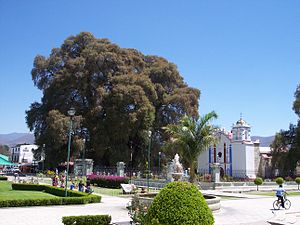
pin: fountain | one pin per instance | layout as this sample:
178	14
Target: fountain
177	169
175	173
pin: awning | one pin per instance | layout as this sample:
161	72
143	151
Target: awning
4	162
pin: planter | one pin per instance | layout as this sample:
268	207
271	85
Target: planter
212	201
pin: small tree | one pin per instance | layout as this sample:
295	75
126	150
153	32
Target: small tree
179	203
279	180
192	137
297	180
258	181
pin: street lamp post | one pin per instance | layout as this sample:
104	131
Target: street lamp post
83	159
43	155
159	155
149	146
71	113
130	173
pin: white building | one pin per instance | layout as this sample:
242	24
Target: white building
23	153
237	155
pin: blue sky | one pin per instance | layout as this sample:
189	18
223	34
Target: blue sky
244	56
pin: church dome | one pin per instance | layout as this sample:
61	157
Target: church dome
241	123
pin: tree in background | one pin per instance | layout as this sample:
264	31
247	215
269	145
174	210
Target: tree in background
191	137
283	143
286	145
4	150
119	94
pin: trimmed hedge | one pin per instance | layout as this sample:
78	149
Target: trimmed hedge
108	181
179	203
297	180
27	187
87	220
258	181
3	178
75	197
279	180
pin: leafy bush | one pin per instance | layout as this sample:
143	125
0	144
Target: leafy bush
3	178
297	180
179	203
108	181
87	220
279	180
138	210
258	181
28	187
73	196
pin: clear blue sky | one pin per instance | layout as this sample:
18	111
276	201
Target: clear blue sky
244	56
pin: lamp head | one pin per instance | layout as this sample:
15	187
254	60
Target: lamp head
71	111
149	133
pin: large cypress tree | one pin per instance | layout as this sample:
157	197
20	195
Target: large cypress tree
118	93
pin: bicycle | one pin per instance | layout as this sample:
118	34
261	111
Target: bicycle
277	203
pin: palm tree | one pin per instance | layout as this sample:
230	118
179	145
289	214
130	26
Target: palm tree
192	137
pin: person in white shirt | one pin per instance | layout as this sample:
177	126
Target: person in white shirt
280	192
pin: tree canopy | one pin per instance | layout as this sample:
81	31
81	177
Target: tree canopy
118	93
4	150
286	145
191	137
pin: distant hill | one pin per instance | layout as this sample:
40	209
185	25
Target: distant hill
264	141
16	138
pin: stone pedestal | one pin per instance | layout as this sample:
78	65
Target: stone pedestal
215	172
83	167
120	169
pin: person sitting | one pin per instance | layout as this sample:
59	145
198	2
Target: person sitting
280	192
80	186
88	188
143	190
72	186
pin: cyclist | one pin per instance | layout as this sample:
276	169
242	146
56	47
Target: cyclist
280	192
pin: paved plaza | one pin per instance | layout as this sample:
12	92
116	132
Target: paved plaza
248	211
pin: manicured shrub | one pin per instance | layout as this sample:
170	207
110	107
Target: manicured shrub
179	203
3	178
74	197
108	181
279	180
297	180
258	181
87	220
28	187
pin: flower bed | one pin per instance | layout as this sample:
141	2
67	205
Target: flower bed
108	181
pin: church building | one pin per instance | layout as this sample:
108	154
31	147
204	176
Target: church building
237	155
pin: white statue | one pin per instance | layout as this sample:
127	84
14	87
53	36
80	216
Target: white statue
177	165
177	168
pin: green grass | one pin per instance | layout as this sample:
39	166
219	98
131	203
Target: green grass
273	193
6	193
115	192
108	191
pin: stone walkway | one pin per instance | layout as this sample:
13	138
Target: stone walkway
245	211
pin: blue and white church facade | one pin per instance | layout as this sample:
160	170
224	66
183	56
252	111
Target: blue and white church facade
237	155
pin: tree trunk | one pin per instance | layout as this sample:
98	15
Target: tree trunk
192	172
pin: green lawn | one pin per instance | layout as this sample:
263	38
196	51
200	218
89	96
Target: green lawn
115	192
6	193
108	191
273	193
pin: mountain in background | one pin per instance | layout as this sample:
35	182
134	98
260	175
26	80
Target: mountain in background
264	141
16	138
20	138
